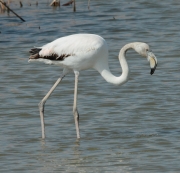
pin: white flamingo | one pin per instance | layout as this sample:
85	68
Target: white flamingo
80	52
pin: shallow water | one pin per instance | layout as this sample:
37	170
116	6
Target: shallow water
129	128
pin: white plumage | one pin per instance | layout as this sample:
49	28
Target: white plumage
80	47
80	52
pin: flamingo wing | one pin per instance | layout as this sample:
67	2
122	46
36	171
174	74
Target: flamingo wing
64	47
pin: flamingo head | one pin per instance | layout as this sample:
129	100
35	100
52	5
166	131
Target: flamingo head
143	50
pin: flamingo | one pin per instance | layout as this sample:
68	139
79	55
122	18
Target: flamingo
80	52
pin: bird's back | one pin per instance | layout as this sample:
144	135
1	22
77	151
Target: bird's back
78	52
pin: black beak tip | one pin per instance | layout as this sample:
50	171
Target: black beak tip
152	71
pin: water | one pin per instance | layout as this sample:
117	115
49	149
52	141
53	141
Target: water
129	128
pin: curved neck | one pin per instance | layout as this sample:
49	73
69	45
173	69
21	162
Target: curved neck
109	77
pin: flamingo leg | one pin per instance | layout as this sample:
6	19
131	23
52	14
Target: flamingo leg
43	101
75	111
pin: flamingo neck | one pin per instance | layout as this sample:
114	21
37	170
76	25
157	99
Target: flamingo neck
123	78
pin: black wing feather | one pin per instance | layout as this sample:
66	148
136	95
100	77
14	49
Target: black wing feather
55	57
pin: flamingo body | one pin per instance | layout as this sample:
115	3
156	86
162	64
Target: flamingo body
80	52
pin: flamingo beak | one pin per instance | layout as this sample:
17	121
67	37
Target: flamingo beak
153	61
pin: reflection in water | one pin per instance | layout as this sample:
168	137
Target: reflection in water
80	158
43	144
48	157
